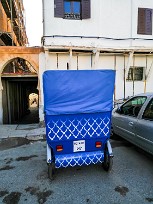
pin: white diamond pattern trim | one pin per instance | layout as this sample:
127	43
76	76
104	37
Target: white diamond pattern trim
66	129
65	162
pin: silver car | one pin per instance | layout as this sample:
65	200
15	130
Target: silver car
133	121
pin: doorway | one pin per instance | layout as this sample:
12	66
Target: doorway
19	80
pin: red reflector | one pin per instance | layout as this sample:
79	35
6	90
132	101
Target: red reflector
59	148
98	144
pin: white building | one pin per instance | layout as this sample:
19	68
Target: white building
101	34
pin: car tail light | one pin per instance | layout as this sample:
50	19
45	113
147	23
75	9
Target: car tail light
98	144
59	148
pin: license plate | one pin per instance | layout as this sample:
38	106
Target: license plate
79	146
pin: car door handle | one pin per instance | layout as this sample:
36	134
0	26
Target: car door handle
131	123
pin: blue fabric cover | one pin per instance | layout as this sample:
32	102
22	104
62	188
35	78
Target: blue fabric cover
78	91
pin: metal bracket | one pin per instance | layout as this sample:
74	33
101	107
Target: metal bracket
49	154
109	149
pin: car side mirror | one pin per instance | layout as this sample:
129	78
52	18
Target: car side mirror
118	110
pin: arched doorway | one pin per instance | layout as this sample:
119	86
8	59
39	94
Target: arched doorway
19	80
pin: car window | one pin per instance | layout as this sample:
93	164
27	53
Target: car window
148	113
133	106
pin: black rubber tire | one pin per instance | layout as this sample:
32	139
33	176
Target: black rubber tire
51	170
108	161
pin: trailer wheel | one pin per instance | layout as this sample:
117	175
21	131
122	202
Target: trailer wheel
108	161
51	170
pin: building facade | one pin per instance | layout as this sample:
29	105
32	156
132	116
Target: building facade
18	65
12	25
102	34
78	35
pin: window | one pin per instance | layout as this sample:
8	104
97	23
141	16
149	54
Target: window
144	21
136	74
148	113
72	9
133	106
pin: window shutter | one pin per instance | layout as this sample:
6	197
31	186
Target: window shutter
148	21
58	8
141	21
85	9
144	21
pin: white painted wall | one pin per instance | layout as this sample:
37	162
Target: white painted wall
118	63
109	18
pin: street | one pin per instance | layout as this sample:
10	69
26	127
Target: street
24	179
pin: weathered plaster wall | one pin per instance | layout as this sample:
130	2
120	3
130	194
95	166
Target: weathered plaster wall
115	62
9	53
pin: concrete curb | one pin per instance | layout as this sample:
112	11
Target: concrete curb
11	131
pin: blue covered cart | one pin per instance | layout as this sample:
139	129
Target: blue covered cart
78	107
